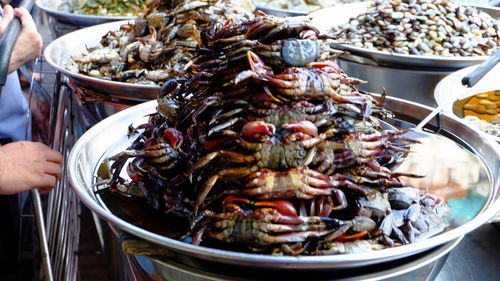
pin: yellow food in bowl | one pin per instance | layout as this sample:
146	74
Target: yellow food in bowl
486	106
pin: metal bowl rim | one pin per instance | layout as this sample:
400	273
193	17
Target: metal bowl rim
306	262
430	257
74	75
39	4
293	13
431	59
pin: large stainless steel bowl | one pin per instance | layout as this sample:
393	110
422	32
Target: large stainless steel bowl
404	76
109	137
339	15
425	266
49	7
60	51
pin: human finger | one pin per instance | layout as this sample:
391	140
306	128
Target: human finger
8	15
49	154
52	169
54	156
47	183
25	17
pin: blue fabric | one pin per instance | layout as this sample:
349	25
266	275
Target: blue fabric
13	110
13	120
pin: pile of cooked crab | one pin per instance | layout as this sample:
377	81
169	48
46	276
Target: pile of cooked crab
270	148
159	45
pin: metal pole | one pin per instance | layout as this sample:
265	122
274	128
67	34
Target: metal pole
44	248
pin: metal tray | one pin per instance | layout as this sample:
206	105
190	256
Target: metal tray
76	19
339	15
109	137
59	52
425	266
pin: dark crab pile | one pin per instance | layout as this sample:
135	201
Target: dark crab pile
271	148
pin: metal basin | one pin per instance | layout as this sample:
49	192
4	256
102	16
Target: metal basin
425	266
410	84
339	15
109	137
404	76
59	52
76	19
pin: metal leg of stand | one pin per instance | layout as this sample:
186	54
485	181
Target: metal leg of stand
98	227
44	248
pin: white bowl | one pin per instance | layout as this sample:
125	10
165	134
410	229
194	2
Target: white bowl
450	90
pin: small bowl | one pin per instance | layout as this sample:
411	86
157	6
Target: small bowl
450	93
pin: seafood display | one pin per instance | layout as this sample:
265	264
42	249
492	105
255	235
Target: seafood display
158	46
100	7
301	5
423	27
270	148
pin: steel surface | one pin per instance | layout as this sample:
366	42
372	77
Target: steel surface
109	137
59	52
76	19
339	15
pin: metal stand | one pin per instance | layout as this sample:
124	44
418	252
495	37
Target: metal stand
71	114
59	228
37	202
59	233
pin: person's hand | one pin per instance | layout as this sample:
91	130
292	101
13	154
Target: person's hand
29	43
28	165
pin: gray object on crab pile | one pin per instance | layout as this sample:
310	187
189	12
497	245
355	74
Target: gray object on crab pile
59	53
109	137
410	77
49	7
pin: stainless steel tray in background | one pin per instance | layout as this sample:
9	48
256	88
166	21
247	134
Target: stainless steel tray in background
59	52
109	137
76	19
339	15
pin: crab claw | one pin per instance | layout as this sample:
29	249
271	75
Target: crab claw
331	65
231	201
243	76
306	127
260	13
308	34
265	98
257	65
283	207
257	129
150	142
133	174
174	137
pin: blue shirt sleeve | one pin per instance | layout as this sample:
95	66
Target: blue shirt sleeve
13	110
